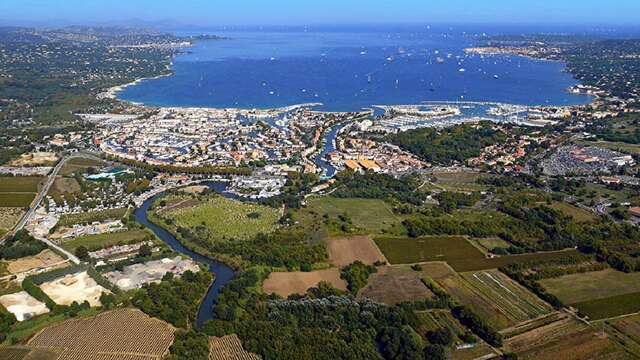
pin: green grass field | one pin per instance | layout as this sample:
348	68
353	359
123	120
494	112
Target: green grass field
79	164
610	306
455	250
89	217
18	191
436	319
577	288
21	199
8	218
515	301
488	244
616	146
100	241
371	215
430	248
20	184
579	215
225	218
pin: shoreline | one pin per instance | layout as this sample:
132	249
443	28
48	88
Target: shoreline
114	92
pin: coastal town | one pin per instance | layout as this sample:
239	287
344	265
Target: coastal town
467	229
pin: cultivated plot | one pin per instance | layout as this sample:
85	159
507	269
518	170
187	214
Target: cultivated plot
494	297
346	250
575	288
370	215
518	303
439	319
44	259
229	347
566	339
395	284
298	282
118	334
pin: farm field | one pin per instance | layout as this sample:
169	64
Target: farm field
395	284
457	251
370	215
629	325
566	339
89	217
101	241
429	248
492	295
43	259
616	146
117	334
64	185
459	181
610	306
595	285
346	250
436	319
486	245
578	214
25	353
625	330
18	200
78	287
20	184
9	216
228	219
287	283
518	303
35	159
79	164
229	347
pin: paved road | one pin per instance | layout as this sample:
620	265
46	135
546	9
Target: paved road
41	195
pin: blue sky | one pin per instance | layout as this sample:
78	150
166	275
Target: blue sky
298	12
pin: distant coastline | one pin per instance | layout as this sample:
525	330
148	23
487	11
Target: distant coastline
277	81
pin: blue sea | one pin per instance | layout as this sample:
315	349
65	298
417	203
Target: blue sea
350	69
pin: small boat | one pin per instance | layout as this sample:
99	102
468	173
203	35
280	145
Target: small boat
440	60
496	77
462	70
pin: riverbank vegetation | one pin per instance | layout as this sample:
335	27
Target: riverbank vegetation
251	235
174	300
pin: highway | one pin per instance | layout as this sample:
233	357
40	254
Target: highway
38	200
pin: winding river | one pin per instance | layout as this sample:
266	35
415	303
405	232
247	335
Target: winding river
223	273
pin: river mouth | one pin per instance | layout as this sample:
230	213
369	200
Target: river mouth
223	273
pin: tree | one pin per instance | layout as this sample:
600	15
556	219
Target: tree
190	345
435	352
82	253
442	336
145	251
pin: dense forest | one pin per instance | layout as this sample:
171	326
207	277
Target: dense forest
174	300
446	146
20	245
379	186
